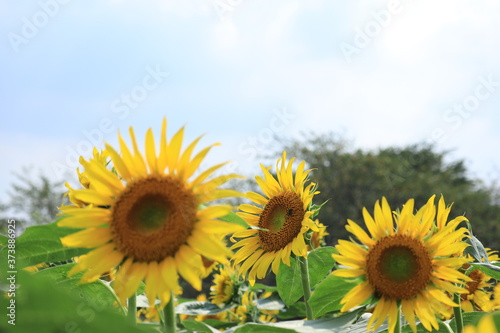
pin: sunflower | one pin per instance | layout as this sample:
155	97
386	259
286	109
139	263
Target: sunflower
488	323
477	297
225	286
411	263
148	216
281	222
318	237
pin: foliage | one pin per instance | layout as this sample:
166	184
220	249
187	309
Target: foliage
33	200
351	180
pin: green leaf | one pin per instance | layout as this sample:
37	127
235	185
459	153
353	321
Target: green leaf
270	303
488	269
289	278
199	326
342	323
233	218
200	308
260	328
320	262
97	293
296	311
469	318
289	282
3	240
41	305
476	248
258	287
328	294
41	243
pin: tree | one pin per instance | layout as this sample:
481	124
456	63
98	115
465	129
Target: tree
352	179
33	201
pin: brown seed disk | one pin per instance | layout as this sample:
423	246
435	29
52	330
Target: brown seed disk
153	217
282	216
399	286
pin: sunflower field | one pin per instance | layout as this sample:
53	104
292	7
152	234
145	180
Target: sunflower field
145	224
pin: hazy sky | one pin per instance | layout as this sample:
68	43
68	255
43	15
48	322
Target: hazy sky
380	73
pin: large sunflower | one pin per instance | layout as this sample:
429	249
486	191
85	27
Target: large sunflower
411	263
148	216
282	220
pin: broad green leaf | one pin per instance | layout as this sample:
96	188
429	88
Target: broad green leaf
97	293
488	269
469	318
233	218
289	279
260	328
296	311
200	308
262	287
270	303
328	294
289	282
319	262
199	326
41	305
3	240
476	248
219	324
343	323
41	243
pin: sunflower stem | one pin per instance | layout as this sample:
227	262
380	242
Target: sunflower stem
132	309
457	311
306	286
169	325
398	321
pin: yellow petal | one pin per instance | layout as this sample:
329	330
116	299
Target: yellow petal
88	238
92	197
84	221
151	152
356	296
152	282
188	265
118	163
105	264
169	272
139	163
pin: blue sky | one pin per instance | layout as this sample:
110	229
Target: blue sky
380	73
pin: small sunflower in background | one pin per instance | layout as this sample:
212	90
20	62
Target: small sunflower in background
408	259
318	237
282	217
148	215
489	323
225	286
477	297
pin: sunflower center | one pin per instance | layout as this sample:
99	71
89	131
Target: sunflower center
153	217
282	216
398	267
472	286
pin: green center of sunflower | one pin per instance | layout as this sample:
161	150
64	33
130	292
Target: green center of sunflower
277	218
282	217
150	213
398	267
398	264
153	218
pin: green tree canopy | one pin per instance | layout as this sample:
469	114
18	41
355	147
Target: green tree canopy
353	179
